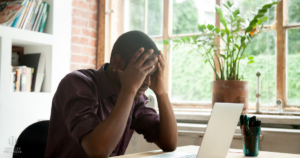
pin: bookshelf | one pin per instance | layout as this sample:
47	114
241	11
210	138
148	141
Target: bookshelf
20	109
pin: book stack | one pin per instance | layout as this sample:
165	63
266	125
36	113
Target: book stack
33	16
29	75
21	79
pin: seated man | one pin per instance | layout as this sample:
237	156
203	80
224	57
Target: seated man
95	112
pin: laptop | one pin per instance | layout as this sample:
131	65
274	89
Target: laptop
218	134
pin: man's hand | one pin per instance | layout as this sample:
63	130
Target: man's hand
157	80
136	71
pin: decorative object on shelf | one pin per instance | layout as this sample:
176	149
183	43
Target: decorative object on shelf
225	62
17	52
258	92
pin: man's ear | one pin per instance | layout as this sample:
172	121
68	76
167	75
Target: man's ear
118	62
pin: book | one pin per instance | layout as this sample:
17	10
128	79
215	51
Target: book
32	60
23	79
29	14
44	19
20	19
18	71
28	79
26	14
38	16
34	13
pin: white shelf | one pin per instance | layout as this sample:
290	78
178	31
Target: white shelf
25	37
20	109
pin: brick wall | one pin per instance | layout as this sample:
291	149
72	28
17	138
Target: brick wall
83	43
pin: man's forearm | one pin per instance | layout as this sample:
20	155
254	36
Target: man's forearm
167	140
104	138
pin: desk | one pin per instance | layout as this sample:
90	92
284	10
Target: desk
233	153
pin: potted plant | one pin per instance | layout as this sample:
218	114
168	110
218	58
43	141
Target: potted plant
236	34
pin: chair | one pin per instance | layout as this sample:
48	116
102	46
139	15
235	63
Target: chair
32	141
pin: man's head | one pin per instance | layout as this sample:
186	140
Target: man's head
124	49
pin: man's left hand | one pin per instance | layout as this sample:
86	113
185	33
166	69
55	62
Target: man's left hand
157	80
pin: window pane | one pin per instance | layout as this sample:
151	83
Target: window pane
262	48
294	11
187	14
136	17
155	17
135	14
248	7
191	77
293	64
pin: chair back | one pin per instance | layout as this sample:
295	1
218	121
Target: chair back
32	141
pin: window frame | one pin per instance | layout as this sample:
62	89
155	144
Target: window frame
282	27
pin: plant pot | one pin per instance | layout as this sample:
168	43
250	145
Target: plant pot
231	91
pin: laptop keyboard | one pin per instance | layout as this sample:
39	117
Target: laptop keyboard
190	156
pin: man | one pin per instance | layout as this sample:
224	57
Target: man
95	112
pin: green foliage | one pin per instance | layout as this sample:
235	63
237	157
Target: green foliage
185	17
235	42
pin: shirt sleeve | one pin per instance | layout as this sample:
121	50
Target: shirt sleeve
77	97
145	120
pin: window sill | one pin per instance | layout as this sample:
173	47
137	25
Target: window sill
198	130
267	119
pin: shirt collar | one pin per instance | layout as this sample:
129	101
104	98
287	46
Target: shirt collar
106	87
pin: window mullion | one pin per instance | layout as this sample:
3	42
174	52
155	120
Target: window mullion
146	17
167	22
281	56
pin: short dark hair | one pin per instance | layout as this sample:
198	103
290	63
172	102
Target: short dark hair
128	43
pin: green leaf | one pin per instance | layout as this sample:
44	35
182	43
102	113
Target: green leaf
223	56
247	56
204	27
187	38
205	61
243	38
191	51
226	6
237	46
229	4
267	6
229	38
210	27
182	39
222	34
194	37
227	31
265	18
220	13
176	40
166	42
248	29
236	12
250	62
200	28
217	30
251	58
244	45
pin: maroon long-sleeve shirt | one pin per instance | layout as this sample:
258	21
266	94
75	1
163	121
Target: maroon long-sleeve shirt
83	99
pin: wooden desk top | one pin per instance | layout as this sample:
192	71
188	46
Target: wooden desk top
233	153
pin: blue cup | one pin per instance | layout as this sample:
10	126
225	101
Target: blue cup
250	140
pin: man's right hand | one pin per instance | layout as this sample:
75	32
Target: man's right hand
136	71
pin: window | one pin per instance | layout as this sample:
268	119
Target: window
189	79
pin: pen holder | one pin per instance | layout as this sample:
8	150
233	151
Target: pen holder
250	140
